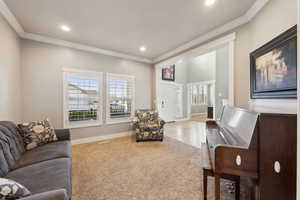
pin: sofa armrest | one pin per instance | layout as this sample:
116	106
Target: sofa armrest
51	195
63	134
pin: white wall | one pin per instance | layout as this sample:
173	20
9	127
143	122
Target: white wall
202	68
222	79
10	86
43	88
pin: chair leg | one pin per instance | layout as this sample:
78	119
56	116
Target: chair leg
237	188
217	187
204	184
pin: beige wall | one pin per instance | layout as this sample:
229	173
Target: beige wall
276	17
10	87
43	88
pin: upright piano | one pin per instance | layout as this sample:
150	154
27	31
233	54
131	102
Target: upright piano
240	145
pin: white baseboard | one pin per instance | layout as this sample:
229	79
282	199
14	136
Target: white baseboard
184	119
198	114
100	138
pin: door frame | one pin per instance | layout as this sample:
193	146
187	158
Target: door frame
228	39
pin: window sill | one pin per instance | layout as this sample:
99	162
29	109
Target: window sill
118	121
81	125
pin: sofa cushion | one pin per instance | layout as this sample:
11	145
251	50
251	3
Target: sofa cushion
6	150
37	133
7	136
51	195
4	168
11	146
15	132
44	176
60	149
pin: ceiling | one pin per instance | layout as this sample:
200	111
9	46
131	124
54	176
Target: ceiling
125	25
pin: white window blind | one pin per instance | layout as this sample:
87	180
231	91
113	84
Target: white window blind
199	94
82	95
120	98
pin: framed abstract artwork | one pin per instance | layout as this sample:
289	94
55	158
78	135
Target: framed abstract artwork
273	73
168	73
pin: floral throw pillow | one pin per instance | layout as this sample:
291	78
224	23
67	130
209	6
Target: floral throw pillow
10	189
37	133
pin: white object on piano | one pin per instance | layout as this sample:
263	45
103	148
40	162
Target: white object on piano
277	167
238	160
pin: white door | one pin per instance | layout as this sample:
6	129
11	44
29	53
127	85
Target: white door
168	105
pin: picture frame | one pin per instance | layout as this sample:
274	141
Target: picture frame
273	68
168	73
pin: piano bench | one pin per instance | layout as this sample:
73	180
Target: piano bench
208	170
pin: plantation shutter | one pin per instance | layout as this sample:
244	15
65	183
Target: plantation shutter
82	98
120	97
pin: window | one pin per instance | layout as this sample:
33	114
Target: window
82	98
199	94
120	98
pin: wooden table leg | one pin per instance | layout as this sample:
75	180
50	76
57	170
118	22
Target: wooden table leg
205	184
237	188
217	187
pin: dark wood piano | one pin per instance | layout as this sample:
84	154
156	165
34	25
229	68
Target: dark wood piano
236	147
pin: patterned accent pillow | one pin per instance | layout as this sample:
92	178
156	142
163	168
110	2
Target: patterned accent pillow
37	133
10	189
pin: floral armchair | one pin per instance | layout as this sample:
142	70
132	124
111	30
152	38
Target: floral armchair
148	126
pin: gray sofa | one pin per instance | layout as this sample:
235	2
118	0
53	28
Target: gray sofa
45	171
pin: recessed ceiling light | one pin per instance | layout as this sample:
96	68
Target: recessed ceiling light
65	28
143	49
209	3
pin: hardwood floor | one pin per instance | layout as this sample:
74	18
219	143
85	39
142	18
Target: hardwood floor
199	118
189	132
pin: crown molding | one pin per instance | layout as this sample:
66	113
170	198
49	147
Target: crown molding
11	19
49	40
9	16
247	17
256	7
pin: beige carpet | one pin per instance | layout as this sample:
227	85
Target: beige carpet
122	169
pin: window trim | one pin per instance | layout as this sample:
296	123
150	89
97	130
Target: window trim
88	73
107	116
